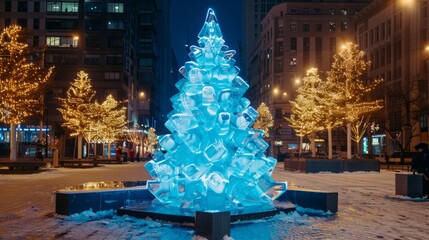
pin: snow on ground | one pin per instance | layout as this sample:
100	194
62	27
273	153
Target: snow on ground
368	209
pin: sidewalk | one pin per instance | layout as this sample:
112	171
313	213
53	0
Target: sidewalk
368	209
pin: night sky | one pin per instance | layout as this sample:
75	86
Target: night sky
187	18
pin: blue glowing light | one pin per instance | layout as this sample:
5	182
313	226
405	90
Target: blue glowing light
214	160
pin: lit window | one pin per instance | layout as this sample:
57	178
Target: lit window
53	41
293	61
331	26
115	7
344	26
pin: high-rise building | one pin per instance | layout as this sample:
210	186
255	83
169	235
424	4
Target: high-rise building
122	44
395	36
253	13
295	36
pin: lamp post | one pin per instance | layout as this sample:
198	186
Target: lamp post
279	144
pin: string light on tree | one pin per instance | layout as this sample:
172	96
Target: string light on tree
21	81
264	120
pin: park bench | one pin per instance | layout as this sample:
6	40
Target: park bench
108	161
18	166
78	163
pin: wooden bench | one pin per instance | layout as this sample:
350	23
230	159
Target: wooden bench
78	163
23	165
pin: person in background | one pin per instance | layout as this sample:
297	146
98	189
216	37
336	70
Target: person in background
118	153
131	154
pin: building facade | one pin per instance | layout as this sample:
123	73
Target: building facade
296	36
122	44
396	38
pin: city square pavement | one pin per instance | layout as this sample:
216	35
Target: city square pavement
368	209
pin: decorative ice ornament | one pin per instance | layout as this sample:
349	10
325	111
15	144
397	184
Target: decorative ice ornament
213	159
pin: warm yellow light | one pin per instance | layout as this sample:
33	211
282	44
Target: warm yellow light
297	81
406	2
284	93
142	94
276	91
427	48
76	37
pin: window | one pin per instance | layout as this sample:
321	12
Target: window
53	41
377	34
115	7
36	6
111	75
388	27
93	7
114	59
145	62
36	23
280	47
66	7
306	27
53	6
293	11
6	22
92	41
69	7
115	24
293	27
332	26
293	61
281	31
92	25
36	41
424	121
293	44
279	65
62	41
331	11
317	11
344	26
343	11
22	22
22	6
8	6
306	11
115	42
92	59
318	27
61	23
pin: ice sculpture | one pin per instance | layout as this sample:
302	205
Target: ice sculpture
213	159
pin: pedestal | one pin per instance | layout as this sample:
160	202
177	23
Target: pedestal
212	225
55	159
409	185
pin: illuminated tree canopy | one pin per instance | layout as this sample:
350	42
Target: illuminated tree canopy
306	108
22	80
264	120
348	90
113	119
77	109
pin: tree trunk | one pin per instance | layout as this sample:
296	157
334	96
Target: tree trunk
300	145
313	147
349	140
329	143
79	146
357	148
12	143
108	149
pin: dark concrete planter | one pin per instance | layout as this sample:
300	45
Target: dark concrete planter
409	185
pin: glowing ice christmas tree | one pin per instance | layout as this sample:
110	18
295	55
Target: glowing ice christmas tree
214	160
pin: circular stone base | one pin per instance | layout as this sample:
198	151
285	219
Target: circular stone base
155	212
